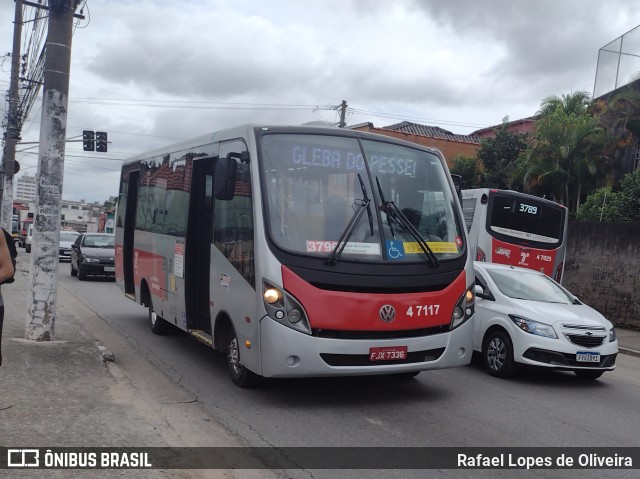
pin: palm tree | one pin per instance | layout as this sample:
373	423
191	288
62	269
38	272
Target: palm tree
565	154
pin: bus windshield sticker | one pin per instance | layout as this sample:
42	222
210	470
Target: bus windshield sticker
225	280
350	247
412	247
395	250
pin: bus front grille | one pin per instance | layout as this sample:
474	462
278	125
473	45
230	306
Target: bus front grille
399	334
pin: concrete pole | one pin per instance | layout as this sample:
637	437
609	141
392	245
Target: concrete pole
343	113
43	275
13	125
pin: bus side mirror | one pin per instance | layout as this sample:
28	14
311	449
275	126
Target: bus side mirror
224	179
457	183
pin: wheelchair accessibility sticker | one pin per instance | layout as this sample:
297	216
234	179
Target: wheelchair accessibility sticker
395	249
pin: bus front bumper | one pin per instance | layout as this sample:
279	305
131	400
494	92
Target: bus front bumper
289	353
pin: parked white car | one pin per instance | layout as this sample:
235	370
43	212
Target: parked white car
523	317
67	238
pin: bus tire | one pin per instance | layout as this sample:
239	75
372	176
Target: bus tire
158	325
240	376
497	354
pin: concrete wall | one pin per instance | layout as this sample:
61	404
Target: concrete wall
603	269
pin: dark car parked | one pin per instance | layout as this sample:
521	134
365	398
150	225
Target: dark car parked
93	254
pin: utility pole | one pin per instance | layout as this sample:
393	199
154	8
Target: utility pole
13	126
343	113
43	275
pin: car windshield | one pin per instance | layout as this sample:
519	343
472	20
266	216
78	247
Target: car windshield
68	236
519	284
98	241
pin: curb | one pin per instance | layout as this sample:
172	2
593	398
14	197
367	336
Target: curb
629	352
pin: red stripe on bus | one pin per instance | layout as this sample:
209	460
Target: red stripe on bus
338	310
542	260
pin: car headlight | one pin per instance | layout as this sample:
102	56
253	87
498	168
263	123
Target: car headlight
533	327
90	260
612	335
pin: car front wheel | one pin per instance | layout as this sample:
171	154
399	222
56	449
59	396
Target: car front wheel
497	355
74	272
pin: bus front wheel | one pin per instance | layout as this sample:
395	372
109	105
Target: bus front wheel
240	375
158	325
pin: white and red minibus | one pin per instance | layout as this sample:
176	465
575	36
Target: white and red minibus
300	251
509	227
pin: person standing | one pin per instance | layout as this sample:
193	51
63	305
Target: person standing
6	272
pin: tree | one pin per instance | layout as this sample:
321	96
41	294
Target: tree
499	156
607	205
565	159
601	205
469	169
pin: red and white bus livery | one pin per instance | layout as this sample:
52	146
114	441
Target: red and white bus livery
509	227
300	251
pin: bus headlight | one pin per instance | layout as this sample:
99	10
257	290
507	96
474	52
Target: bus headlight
463	310
271	295
284	308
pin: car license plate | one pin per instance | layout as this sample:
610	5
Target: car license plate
587	357
109	269
389	353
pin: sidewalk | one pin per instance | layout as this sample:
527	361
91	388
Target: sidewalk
67	393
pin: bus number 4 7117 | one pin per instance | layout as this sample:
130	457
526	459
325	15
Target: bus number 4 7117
426	310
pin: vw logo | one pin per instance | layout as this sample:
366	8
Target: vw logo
387	313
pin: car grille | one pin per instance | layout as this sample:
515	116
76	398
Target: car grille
584	340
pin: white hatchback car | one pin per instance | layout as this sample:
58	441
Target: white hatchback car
523	317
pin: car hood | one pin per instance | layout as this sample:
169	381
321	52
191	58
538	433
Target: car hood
98	252
66	244
553	313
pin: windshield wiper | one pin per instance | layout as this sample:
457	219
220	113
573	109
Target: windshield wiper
384	206
348	231
366	199
395	213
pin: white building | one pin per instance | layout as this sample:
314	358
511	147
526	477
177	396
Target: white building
26	188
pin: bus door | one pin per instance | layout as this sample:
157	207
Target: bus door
198	246
129	228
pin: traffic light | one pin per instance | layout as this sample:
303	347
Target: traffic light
87	140
101	141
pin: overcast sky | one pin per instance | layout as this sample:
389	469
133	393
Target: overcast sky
151	72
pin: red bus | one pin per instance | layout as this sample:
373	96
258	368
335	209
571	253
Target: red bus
300	251
509	227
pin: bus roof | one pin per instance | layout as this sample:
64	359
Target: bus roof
247	129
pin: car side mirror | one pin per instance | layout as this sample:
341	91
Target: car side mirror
479	290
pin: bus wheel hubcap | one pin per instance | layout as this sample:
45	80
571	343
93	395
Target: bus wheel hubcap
234	359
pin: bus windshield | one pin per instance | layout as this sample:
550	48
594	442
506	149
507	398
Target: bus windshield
315	184
526	219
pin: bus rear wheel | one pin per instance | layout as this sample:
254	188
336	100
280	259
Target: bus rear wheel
240	376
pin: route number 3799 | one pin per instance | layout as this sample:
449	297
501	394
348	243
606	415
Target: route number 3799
423	310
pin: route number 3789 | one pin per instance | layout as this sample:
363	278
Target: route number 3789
423	310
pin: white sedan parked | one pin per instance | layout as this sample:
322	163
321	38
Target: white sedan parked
523	317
